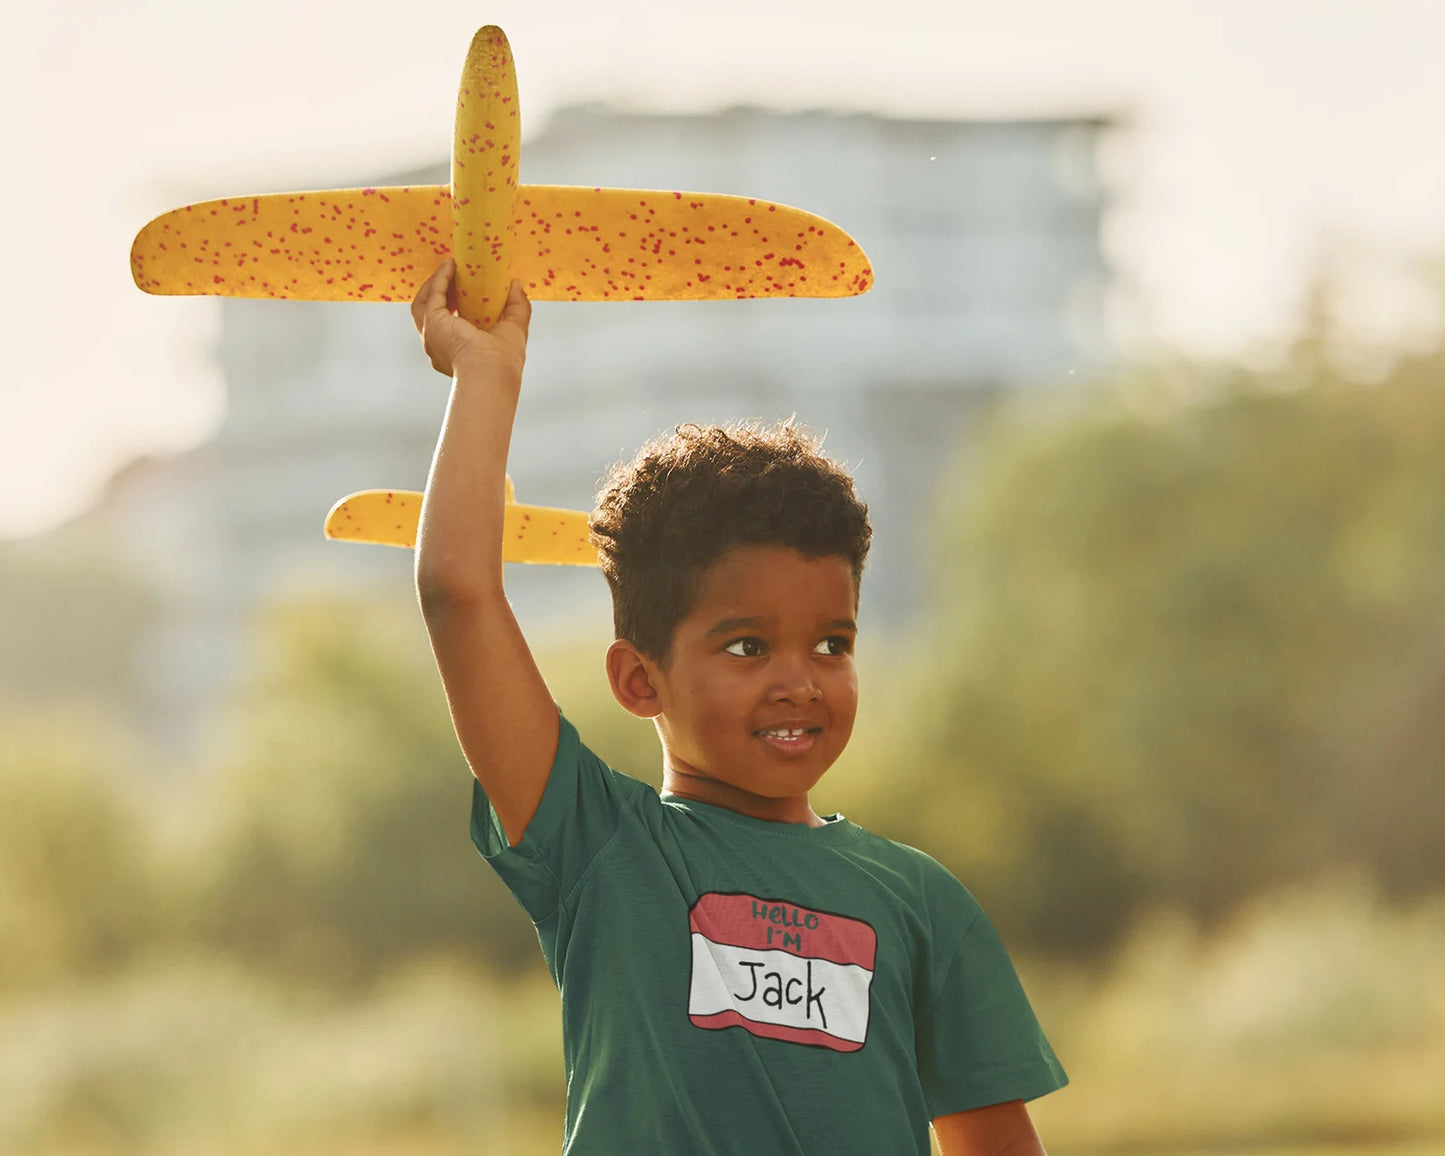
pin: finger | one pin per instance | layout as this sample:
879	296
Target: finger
518	309
432	294
418	302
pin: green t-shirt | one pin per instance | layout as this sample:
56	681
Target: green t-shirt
731	985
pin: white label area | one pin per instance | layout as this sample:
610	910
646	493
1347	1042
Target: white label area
802	999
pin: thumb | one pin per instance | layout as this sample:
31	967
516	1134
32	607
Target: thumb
431	295
518	309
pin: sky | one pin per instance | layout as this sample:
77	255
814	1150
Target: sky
1252	134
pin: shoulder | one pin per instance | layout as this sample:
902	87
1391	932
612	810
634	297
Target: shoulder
919	876
584	798
637	802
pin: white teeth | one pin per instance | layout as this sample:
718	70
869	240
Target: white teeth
797	732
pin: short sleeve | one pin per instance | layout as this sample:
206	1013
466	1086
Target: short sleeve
978	1040
579	812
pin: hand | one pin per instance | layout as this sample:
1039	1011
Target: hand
450	341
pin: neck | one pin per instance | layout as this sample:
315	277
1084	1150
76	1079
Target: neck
685	784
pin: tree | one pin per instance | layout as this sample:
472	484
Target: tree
1187	651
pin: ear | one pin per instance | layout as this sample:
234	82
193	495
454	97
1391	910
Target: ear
631	676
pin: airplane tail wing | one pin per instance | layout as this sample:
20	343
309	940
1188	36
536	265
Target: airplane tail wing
529	534
571	244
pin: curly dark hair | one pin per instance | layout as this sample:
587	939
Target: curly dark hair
691	495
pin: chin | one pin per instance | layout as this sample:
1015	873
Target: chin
783	786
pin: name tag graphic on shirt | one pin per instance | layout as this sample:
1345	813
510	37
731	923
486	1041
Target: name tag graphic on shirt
781	971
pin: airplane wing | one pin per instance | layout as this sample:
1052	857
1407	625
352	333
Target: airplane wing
571	243
529	533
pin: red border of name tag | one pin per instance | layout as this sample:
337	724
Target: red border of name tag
753	923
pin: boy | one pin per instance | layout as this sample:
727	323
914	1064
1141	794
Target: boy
738	974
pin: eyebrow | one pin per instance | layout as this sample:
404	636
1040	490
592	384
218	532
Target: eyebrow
728	625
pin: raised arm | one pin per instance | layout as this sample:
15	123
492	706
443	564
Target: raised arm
504	716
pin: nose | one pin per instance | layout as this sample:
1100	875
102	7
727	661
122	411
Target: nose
795	683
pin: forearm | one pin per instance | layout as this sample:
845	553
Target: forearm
503	714
999	1130
459	543
505	720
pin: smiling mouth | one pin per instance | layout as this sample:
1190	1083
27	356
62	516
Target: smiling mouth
793	740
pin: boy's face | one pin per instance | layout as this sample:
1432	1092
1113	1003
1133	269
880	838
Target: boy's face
760	694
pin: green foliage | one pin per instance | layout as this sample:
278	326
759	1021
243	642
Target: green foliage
339	847
198	1057
341	844
1187	652
1311	1013
78	889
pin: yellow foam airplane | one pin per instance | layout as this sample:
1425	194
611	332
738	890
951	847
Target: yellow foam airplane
566	243
529	533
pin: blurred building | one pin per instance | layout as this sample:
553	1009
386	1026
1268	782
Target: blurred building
985	240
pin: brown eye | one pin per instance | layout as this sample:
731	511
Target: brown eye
745	647
835	646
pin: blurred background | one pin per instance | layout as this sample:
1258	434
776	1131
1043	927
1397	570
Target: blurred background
1149	407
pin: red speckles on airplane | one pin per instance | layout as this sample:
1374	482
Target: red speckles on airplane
399	244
